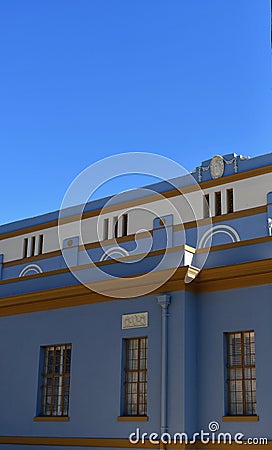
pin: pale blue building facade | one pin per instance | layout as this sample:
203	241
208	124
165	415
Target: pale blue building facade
87	364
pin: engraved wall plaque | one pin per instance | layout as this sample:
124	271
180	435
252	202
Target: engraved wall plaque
137	320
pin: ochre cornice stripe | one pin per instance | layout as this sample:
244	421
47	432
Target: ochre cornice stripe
246	242
117	443
236	177
224	217
168	194
33	229
73	442
235	276
262	266
80	295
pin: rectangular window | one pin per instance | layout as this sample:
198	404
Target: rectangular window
119	226
136	377
115	227
124	225
56	380
33	243
106	229
206	206
25	246
32	246
218	208
241	373
229	200
40	245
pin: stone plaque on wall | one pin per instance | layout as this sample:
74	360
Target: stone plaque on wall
137	320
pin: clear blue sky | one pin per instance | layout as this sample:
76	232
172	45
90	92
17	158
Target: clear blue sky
84	79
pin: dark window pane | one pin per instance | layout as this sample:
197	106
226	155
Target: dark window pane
56	380
241	373
136	376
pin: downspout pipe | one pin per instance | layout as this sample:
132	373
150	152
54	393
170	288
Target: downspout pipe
164	302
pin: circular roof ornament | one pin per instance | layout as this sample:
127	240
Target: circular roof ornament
217	166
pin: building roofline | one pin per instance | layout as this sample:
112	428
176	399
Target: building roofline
246	165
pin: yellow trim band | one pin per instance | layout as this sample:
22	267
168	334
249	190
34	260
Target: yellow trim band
114	443
240	418
132	419
51	419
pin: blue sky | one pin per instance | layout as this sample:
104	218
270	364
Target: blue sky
81	80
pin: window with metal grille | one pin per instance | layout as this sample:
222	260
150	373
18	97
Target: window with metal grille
56	380
136	377
241	373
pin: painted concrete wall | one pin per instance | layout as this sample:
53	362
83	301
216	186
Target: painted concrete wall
197	323
196	364
225	311
96	336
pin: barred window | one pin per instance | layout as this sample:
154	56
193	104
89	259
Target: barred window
136	377
56	380
241	373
